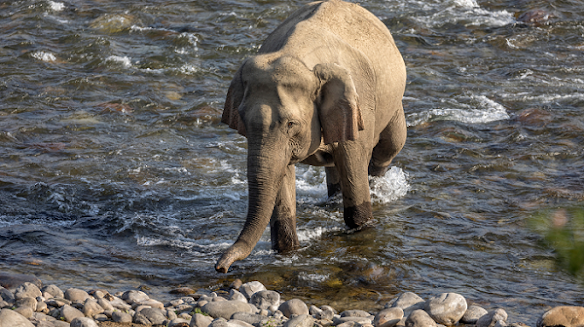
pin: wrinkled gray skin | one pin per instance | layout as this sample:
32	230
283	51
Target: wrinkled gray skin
325	89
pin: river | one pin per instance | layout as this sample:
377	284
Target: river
116	172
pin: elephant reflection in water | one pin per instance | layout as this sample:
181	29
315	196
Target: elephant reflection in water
325	89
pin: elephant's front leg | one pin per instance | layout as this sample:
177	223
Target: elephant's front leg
283	221
351	161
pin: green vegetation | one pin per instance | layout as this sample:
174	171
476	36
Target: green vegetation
198	310
563	231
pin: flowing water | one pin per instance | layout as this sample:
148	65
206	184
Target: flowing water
115	170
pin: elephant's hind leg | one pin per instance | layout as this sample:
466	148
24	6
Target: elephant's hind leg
391	141
333	181
283	221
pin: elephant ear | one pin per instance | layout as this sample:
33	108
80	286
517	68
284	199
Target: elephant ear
233	100
339	113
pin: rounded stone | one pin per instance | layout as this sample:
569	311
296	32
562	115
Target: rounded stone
388	317
568	316
355	313
6	295
250	318
27	302
92	308
121	317
303	320
27	290
358	320
420	318
178	322
9	318
264	299
76	295
408	302
293	307
25	311
54	291
225	309
236	284
70	313
447	308
472	314
105	304
133	296
491	318
248	289
156	316
200	320
83	322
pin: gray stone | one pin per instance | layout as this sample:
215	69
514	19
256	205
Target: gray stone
264	299
359	320
105	304
27	290
4	304
92	308
349	324
57	302
178	322
250	318
170	314
119	304
184	315
327	313
408	302
248	289
200	320
174	303
472	314
153	304
141	319
101	317
355	313
446	308
25	311
121	317
70	313
235	295
83	322
419	318
42	307
293	307
76	295
491	318
225	309
501	323
388	317
240	323
133	296
9	318
54	291
156	316
303	320
6	295
568	316
314	311
27	302
58	323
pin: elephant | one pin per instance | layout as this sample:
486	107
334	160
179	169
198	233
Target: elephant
324	89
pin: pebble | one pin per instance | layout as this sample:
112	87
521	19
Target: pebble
447	308
293	307
78	308
568	316
472	314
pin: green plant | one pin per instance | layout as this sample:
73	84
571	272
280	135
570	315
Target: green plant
563	230
269	323
199	311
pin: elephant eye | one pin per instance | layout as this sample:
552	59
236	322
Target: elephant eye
290	124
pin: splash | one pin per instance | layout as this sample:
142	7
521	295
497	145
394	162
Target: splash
44	56
390	187
122	61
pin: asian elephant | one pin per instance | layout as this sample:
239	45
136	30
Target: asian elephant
325	89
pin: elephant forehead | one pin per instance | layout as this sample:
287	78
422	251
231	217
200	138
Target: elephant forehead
278	68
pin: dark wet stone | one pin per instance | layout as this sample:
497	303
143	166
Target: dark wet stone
535	16
183	291
12	281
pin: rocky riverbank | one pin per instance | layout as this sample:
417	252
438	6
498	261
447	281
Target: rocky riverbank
248	304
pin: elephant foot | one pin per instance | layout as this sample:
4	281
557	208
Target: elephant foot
235	252
377	171
357	216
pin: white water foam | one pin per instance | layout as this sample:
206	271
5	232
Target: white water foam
56	6
487	111
44	56
305	235
123	61
390	187
466	12
318	278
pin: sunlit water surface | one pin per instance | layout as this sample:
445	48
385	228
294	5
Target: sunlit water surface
115	171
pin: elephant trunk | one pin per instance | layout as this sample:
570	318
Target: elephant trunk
265	171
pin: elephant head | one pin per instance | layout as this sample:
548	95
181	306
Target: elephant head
287	110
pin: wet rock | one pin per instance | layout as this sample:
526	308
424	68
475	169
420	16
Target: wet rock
133	296
53	290
112	23
472	314
9	318
155	316
248	289
535	16
420	318
121	317
27	290
92	308
237	296
83	322
200	320
568	316
293	307
388	317
447	308
11	281
6	295
264	299
236	284
76	295
183	291
491	318
70	313
408	302
303	320
225	309
58	302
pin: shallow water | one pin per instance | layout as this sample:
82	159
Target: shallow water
116	172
